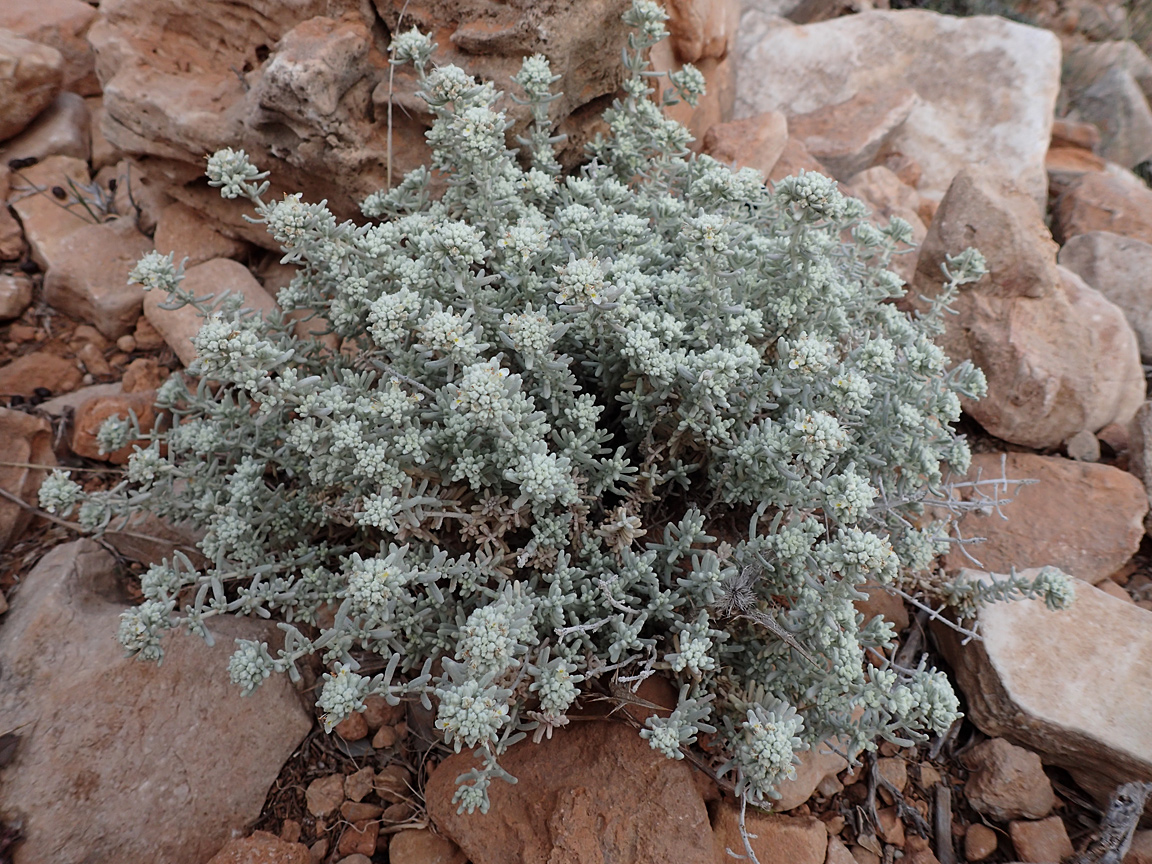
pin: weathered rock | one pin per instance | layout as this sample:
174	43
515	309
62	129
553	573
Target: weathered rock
178	326
24	375
30	76
1004	128
393	783
138	195
261	848
1087	63
1072	686
324	795
358	785
311	100
421	846
1007	782
61	129
1066	165
1058	356
59	662
15	295
1139	451
1075	134
1115	103
47	223
980	841
754	142
359	838
27	441
778	840
883	603
848	136
794	159
1120	268
1087	519
188	235
837	852
12	244
62	24
1083	447
596	789
1040	842
91	416
1103	202
103	153
89	276
816	764
702	28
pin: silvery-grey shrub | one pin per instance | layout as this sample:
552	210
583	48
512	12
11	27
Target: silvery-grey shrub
649	418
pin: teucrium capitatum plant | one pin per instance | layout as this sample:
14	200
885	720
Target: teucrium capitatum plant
649	418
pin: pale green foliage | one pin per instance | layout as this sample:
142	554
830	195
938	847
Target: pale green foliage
650	418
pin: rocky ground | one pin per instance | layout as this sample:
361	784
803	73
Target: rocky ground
106	112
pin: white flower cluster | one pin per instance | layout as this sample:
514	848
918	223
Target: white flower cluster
471	713
58	493
250	665
766	749
342	694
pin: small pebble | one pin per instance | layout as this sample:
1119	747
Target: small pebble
979	842
126	343
352	728
290	831
384	738
1083	447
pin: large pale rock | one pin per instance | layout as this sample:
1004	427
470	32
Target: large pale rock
62	24
27	441
754	142
778	839
1085	518
1059	357
123	761
214	277
89	277
191	238
1104	201
46	222
1120	268
1000	118
595	792
62	129
847	136
1074	686
309	98
30	76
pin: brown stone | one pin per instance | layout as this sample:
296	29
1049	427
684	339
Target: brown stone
46	222
290	831
1007	782
1073	133
178	326
142	374
1104	202
883	603
62	24
1040	842
352	728
1113	590
94	778
891	827
356	811
816	764
377	712
92	414
1071	685
837	852
359	838
893	769
595	788
393	783
93	360
384	738
103	153
847	136
138	195
794	159
1085	518
12	244
778	840
185	232
702	28
147	337
27	441
1058	356
1140	852
358	785
421	846
61	129
980	841
754	142
30	76
324	795
15	294
917	851
24	375
262	848
715	106
1066	165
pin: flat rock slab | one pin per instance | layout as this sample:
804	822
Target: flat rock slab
120	761
987	87
1074	686
1087	519
596	792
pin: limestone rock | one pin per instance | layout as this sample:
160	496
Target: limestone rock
1003	127
1104	201
1072	686
178	326
779	839
261	848
1058	356
47	223
754	142
1083	447
138	195
89	276
62	129
62	24
27	373
847	136
28	440
1007	782
30	76
186	233
108	728
1087	519
1040	842
1120	268
595	791
15	295
421	846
